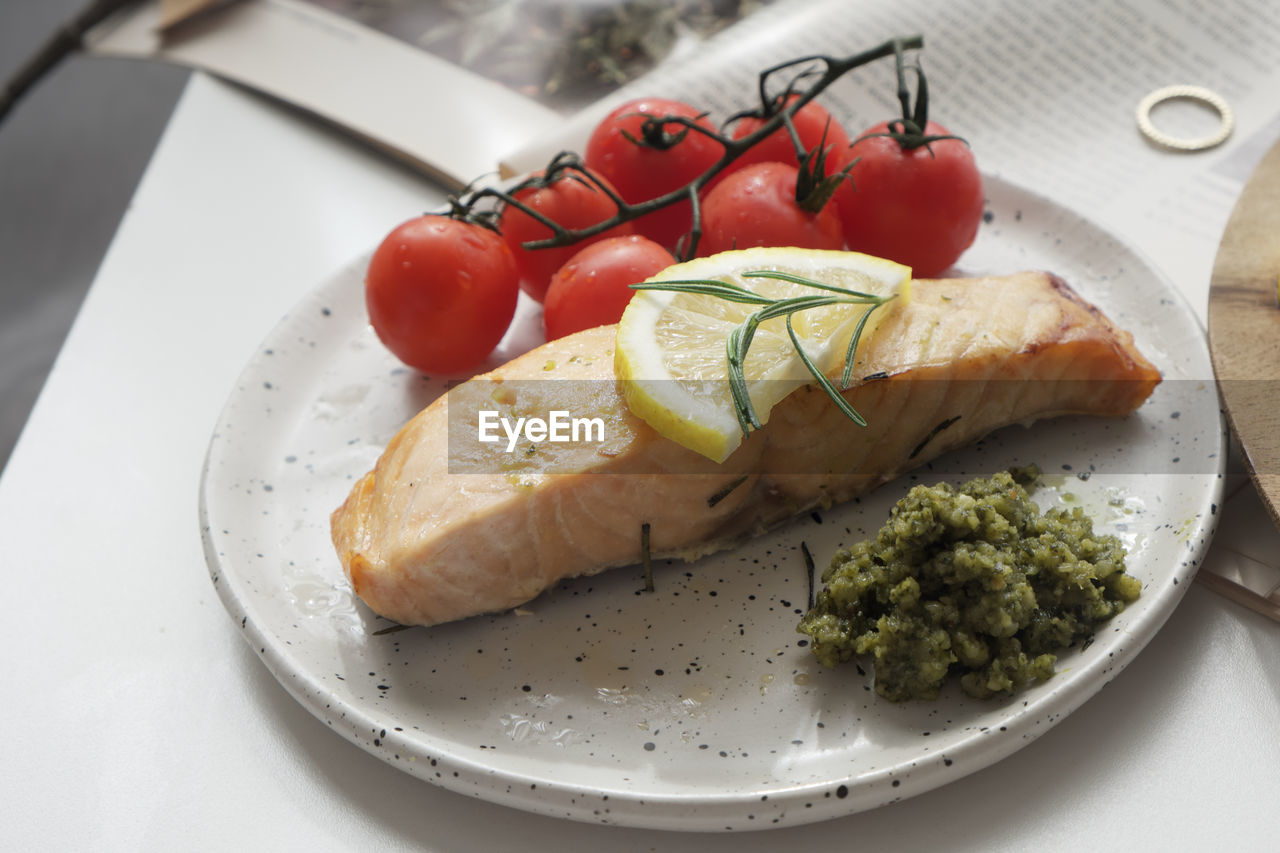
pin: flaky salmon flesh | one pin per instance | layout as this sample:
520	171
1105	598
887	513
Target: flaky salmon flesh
446	526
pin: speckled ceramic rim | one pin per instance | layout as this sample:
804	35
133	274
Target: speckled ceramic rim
434	759
1200	95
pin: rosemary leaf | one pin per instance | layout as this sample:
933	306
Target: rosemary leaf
807	282
822	380
645	559
737	371
789	306
393	629
721	290
809	569
726	491
737	355
853	344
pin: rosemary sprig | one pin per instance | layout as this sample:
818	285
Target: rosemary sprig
738	342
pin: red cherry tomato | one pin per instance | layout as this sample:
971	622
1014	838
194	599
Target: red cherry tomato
594	287
811	121
756	206
919	207
571	200
441	293
644	159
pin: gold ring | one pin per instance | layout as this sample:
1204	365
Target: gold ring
1199	94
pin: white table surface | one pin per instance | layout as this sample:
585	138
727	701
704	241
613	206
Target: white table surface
136	718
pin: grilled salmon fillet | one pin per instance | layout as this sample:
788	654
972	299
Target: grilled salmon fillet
445	526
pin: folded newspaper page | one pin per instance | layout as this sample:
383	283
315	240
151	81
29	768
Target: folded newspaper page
439	118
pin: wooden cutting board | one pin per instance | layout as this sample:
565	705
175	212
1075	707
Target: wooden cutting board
1244	326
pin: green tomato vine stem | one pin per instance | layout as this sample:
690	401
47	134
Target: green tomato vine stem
471	204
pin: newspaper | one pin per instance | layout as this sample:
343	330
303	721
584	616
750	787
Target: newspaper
447	86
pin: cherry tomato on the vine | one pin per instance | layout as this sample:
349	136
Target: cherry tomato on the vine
570	200
757	206
441	292
920	207
811	122
593	288
646	158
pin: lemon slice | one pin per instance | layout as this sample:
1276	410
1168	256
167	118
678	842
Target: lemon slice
671	348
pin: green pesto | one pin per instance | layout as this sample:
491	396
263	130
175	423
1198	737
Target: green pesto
974	582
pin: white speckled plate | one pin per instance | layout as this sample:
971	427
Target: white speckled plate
698	706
